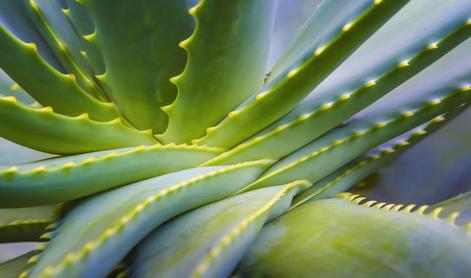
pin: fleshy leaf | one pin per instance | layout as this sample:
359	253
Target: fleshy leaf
72	177
327	108
354	172
342	145
99	233
461	203
139	43
43	130
84	26
227	56
16	17
14	267
325	21
282	94
64	42
25	224
45	84
9	88
339	238
224	230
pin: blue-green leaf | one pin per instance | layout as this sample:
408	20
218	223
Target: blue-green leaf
339	238
223	232
99	233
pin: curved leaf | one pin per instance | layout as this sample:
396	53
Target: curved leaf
25	224
84	26
98	233
9	88
342	145
227	56
329	105
72	177
139	43
354	172
282	94
14	267
224	230
338	238
15	16
461	203
327	19
43	130
65	42
45	84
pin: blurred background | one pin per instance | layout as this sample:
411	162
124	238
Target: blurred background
435	169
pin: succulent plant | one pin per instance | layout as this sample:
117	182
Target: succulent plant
178	154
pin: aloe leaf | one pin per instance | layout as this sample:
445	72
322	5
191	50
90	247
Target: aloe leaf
84	26
424	39
14	15
224	231
461	203
14	267
328	18
67	178
342	145
367	240
80	18
389	48
227	56
45	84
65	42
25	224
354	172
8	87
99	233
282	94
43	130
139	43
325	109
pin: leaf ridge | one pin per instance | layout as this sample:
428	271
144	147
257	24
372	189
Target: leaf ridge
376	161
232	235
438	103
311	120
84	134
285	92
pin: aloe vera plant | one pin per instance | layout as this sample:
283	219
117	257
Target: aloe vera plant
178	154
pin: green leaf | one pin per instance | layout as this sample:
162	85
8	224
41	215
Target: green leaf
25	224
328	153
329	105
324	23
97	234
461	203
72	177
14	267
282	94
16	17
339	238
8	87
139	43
224	231
43	130
66	43
354	172
45	84
227	56
84	26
